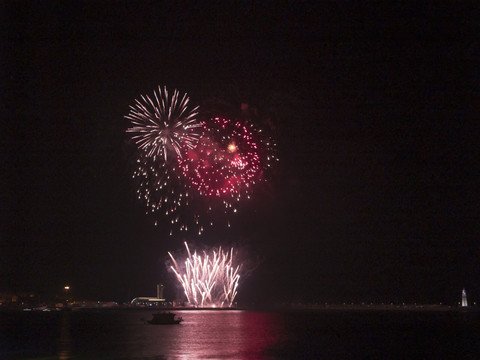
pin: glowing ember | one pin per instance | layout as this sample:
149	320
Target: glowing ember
232	147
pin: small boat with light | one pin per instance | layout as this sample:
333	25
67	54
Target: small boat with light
165	318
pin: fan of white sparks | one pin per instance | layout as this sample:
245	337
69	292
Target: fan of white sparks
208	280
162	124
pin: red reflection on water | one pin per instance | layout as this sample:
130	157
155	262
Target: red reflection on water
218	334
209	334
260	332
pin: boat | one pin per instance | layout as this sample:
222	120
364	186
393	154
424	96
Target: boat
165	318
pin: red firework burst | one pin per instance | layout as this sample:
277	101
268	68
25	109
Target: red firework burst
225	163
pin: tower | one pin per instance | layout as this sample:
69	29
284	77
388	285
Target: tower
464	298
159	291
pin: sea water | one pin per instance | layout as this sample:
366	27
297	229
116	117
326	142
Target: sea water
125	334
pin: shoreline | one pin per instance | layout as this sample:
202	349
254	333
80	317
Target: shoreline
275	308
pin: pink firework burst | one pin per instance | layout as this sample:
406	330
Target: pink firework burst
226	163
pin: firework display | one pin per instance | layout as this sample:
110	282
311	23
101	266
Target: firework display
208	280
194	172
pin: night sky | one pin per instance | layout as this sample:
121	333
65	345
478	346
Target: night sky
375	198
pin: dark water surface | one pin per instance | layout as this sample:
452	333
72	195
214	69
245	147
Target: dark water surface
123	334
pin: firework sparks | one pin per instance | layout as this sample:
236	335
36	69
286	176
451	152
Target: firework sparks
228	161
163	129
210	280
160	187
163	125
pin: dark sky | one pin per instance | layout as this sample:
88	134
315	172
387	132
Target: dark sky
375	197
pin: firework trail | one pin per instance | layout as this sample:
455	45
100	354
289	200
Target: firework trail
210	280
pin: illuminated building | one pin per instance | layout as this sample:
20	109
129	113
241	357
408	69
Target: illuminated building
147	301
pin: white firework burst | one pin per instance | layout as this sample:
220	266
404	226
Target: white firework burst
210	280
163	125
